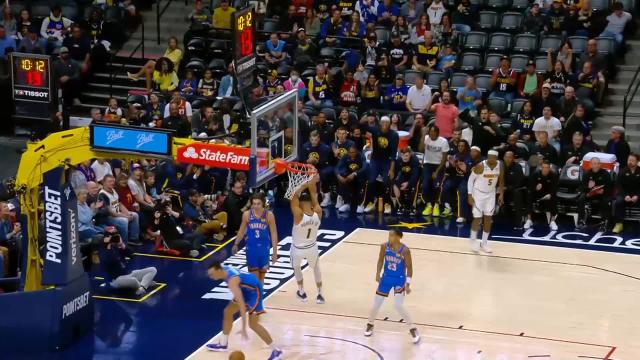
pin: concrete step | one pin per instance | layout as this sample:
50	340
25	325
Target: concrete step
99	95
117	87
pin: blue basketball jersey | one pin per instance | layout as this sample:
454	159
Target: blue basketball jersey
394	265
246	279
258	230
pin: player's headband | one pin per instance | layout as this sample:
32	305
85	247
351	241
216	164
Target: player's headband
492	152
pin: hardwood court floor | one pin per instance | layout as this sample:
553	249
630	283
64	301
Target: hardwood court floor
522	302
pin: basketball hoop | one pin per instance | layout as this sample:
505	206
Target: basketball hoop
299	174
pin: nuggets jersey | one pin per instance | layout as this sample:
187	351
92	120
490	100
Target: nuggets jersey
394	265
258	230
503	81
304	234
487	181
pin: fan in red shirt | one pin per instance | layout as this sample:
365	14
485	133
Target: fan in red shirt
124	193
302	6
349	91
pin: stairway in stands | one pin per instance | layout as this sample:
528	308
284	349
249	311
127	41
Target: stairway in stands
114	81
611	112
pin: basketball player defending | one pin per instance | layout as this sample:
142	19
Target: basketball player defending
259	225
484	179
306	221
247	299
396	275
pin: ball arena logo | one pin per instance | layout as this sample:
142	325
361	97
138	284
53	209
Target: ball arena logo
213	155
280	272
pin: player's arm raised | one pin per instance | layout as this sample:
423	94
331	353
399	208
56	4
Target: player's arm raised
242	231
409	264
273	231
234	287
501	185
313	192
295	206
380	261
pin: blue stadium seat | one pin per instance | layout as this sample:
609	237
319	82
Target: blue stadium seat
606	45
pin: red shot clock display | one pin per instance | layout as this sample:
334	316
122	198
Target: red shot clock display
244	28
31	77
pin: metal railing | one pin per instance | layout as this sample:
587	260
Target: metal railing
114	71
159	14
629	96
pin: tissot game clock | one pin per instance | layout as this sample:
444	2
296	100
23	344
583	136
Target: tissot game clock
31	77
244	58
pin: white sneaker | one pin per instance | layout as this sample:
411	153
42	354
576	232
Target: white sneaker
346	208
475	246
326	200
194	253
485	247
528	224
360	209
553	226
461	220
339	202
369	208
415	335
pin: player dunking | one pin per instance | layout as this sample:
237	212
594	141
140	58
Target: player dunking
306	221
259	225
396	275
247	299
483	181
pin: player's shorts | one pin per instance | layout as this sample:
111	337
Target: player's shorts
258	258
309	252
387	283
401	178
484	204
253	298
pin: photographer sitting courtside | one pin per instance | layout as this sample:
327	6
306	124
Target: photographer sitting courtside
167	221
113	265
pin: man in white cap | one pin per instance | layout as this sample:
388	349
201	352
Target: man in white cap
485	179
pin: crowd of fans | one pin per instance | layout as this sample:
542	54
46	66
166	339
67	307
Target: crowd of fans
389	108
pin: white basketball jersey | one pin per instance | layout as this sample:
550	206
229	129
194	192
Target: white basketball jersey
304	234
487	182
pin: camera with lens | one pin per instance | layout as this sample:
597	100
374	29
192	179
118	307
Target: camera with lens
115	239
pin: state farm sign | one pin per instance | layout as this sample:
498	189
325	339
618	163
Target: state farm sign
214	155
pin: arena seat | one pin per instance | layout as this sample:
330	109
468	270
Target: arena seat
606	45
516	106
492	61
483	82
410	76
497	4
550	42
499	41
511	21
196	65
541	64
457	80
475	40
197	46
488	20
499	105
569	183
600	5
525	43
520	5
433	81
519	62
471	61
136	99
382	34
578	44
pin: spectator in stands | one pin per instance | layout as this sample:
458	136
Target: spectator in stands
355	28
549	124
79	46
436	149
577	121
583	20
320	90
113	112
396	96
628	191
544	150
524	123
351	173
127	222
208	85
515	190
138	189
6	43
447	61
222	15
294	82
318	153
24	22
530	82
370	93
616	23
113	254
67	73
124	193
419	31
446	115
275	50
463	17
226	83
194	212
331	28
457	170
557	19
235	204
543	186
557	78
401	27
412	10
81	175
176	121
101	168
469	96
10	234
304	51
387	13
574	152
618	145
289	23
566	105
486	134
54	28
595	191
419	96
534	21
503	81
397	56
188	85
164	76
30	42
425	56
592	55
589	83
199	17
86	228
150	184
154	110
184	107
271	84
8	21
173	55
545	99
311	23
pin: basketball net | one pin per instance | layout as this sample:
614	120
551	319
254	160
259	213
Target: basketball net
299	175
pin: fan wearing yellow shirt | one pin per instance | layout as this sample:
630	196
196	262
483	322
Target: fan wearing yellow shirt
222	15
172	53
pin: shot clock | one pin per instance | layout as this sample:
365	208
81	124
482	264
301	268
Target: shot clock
31	77
244	55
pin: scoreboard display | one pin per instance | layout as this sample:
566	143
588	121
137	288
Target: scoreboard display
244	53
31	77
